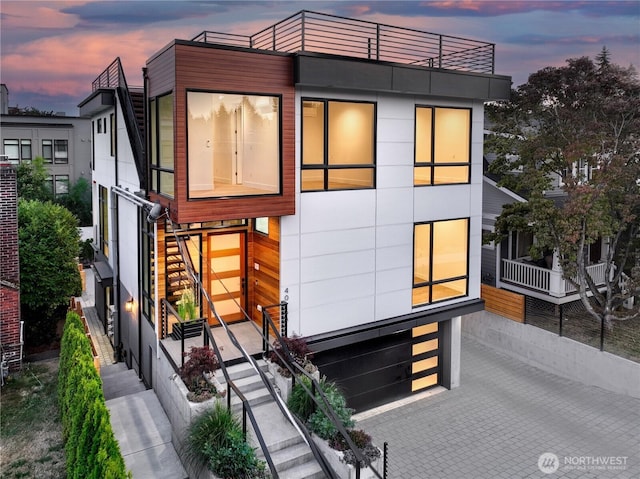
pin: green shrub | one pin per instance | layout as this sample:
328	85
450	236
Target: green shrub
215	439
303	406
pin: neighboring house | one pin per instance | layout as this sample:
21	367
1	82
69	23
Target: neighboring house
63	142
344	181
11	331
509	265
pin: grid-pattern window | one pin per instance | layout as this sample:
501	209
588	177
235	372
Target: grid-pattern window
61	151
25	150
62	185
47	151
161	111
103	204
12	151
338	145
442	146
146	265
440	260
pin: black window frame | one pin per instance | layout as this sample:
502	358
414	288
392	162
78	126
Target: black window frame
430	283
325	166
433	164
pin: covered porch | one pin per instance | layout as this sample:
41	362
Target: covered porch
523	277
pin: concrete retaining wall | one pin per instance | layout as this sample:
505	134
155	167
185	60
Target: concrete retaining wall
550	352
172	394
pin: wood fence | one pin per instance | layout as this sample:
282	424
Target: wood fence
503	302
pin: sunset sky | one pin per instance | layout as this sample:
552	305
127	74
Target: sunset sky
51	51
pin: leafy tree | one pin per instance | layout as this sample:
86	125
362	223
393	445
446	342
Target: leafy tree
32	180
584	114
78	201
48	239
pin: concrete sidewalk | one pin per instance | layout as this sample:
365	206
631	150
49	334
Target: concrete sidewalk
139	423
504	416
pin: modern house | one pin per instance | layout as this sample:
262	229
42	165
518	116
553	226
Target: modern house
509	265
63	142
331	167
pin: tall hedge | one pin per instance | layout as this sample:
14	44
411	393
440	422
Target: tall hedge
91	449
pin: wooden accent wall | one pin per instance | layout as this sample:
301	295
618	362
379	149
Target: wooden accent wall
264	283
503	302
207	67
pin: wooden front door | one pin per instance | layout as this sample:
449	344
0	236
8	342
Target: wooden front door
227	275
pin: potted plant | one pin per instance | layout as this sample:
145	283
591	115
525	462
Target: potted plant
187	305
301	355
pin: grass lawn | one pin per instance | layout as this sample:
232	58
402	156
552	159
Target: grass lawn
31	444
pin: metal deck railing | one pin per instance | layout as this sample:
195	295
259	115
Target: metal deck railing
308	31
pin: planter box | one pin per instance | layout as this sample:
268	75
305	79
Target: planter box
344	470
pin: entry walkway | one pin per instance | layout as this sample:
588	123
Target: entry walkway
502	418
139	423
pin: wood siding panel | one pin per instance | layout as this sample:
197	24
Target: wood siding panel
502	302
161	72
201	67
265	252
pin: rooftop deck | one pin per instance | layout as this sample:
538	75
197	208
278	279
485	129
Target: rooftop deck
308	31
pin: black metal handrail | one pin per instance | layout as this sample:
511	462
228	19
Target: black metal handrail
308	31
316	391
209	340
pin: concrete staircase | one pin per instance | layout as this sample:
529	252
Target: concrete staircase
292	457
140	425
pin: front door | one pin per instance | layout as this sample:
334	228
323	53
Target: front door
227	275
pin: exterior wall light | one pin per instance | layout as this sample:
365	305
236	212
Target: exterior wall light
128	306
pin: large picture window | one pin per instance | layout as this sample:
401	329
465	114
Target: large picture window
442	146
233	144
440	261
338	145
161	117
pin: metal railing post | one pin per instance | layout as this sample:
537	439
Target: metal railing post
274	38
301	31
377	41
357	469
440	52
182	344
244	421
385	449
561	320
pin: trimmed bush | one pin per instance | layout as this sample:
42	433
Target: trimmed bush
91	449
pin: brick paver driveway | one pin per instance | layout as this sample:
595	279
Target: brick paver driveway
504	416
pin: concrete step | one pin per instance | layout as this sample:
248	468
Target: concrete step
308	470
292	456
118	381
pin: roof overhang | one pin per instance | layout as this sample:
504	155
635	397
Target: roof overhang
97	102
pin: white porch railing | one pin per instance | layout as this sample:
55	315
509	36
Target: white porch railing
545	280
